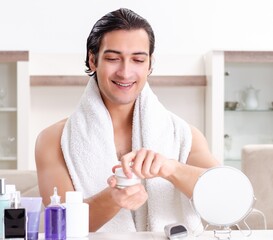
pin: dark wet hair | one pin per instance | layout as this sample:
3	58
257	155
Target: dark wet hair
121	19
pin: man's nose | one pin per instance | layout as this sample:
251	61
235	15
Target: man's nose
125	70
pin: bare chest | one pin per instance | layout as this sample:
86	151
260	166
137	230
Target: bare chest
123	143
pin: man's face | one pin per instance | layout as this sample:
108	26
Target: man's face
123	66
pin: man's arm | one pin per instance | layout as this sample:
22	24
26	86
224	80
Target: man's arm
148	164
52	172
51	168
185	176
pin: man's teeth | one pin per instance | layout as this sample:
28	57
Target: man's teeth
124	84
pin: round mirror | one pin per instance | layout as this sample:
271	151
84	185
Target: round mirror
223	196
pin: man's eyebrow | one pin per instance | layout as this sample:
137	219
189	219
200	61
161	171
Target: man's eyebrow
111	51
140	53
118	52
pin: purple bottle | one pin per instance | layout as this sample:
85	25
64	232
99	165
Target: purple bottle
55	219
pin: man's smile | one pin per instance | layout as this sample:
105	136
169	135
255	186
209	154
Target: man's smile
124	84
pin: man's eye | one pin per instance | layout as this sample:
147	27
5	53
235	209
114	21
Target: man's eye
111	59
139	60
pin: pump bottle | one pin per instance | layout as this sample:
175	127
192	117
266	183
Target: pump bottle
77	215
55	219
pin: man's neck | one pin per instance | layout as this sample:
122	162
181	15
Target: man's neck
122	115
122	118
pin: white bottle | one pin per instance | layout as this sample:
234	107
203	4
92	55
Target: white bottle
77	215
4	203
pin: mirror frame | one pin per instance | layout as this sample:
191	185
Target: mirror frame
203	186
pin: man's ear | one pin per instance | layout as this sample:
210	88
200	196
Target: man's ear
151	65
150	71
92	61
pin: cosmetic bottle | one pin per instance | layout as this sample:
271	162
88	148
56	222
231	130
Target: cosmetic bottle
77	215
33	208
15	219
55	219
4	203
123	181
5	199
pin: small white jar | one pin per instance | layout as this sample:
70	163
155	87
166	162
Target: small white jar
123	181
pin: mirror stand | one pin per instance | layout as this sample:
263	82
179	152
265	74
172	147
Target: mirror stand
246	232
221	234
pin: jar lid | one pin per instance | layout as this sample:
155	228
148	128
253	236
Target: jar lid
119	172
73	197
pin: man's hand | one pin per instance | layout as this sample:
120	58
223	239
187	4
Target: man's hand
131	197
147	164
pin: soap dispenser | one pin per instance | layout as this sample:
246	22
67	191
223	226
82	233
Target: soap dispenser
55	218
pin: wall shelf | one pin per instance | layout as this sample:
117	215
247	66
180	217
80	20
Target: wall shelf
8	109
50	80
2	158
14	111
244	68
255	111
248	57
13	56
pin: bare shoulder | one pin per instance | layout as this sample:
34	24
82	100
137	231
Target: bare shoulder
53	131
50	163
200	154
199	139
49	142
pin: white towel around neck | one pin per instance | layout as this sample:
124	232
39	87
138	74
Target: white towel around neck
89	151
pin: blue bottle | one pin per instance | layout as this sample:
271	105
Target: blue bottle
55	219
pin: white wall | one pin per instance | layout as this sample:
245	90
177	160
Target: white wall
181	26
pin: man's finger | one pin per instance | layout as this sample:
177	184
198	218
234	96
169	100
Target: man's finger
126	161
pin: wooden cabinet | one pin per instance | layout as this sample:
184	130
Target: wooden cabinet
231	75
14	110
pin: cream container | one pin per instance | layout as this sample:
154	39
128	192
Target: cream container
123	181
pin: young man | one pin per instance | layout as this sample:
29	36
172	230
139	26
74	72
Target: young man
119	121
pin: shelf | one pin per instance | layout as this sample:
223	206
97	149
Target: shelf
8	109
244	110
249	56
236	163
53	80
14	110
245	68
13	56
11	158
232	160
